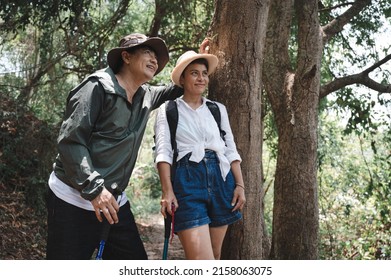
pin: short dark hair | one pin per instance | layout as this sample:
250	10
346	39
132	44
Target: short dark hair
200	61
136	48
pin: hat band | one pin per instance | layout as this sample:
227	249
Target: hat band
133	41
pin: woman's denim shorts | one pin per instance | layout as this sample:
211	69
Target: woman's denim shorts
203	196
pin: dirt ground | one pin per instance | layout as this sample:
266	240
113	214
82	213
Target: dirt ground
152	233
23	232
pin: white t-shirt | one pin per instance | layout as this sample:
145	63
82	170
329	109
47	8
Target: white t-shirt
72	196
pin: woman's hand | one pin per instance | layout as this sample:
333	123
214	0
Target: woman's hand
167	203
239	198
168	196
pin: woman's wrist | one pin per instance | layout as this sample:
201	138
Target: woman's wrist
239	185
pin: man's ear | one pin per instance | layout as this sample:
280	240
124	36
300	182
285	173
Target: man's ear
125	56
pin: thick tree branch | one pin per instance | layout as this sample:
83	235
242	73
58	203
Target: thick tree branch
378	64
337	25
360	78
322	8
160	12
27	90
277	65
119	14
72	48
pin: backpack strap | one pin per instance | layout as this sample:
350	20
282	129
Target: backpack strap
214	109
172	119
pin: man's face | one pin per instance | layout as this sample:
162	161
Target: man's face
143	63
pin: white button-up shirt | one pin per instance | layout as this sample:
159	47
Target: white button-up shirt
197	131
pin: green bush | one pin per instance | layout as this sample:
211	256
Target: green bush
27	149
144	191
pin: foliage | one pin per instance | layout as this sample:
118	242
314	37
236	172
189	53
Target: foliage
18	14
26	152
48	47
358	46
55	45
144	191
354	193
354	185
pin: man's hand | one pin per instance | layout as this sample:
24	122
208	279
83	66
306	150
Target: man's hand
204	47
106	204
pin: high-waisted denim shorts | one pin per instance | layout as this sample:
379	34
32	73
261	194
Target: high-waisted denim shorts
203	196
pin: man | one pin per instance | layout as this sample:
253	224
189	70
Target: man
99	139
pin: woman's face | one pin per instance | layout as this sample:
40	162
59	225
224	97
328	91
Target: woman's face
195	79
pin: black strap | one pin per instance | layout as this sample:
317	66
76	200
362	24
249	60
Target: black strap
172	119
214	109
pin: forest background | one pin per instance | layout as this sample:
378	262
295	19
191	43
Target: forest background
47	47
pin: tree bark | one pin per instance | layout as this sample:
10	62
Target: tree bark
294	96
238	41
160	12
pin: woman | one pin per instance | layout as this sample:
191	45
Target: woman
207	191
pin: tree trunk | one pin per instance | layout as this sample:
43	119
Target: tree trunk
238	41
294	96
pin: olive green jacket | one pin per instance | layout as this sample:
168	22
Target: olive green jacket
102	131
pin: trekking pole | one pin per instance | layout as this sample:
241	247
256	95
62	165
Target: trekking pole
168	221
103	239
104	235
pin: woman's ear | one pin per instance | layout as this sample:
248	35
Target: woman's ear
181	80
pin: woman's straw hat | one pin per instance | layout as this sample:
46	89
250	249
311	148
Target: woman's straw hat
185	59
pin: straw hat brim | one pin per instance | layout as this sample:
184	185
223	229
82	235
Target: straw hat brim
187	59
157	44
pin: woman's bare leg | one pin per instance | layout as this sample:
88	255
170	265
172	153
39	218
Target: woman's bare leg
196	243
217	235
